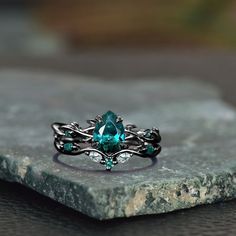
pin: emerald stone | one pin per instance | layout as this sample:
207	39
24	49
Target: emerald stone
68	146
150	149
109	164
109	133
147	133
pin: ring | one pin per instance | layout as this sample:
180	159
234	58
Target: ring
106	140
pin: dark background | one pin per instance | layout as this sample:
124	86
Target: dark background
150	39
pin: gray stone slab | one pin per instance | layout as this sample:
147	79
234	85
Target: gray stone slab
197	164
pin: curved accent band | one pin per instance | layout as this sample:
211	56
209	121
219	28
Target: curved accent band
56	159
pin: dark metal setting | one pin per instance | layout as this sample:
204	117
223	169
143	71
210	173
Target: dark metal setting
72	139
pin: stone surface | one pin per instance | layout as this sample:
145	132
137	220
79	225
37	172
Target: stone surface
197	164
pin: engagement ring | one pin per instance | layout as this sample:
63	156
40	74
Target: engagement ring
106	140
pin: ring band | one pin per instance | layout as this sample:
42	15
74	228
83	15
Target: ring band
106	140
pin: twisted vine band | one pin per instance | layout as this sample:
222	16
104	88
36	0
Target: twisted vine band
106	140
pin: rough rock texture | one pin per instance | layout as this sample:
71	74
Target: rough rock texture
197	164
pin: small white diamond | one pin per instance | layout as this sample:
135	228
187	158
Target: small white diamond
95	156
123	157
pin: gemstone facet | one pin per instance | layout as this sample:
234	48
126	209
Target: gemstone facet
109	133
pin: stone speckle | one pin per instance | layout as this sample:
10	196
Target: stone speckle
136	203
22	167
197	164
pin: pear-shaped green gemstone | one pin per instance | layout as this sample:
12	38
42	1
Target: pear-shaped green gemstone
109	133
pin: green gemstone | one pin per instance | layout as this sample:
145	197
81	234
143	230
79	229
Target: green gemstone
67	133
68	146
109	133
109	164
147	133
150	149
